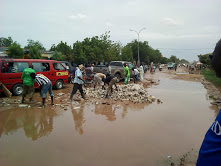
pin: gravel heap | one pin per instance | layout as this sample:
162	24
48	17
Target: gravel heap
132	92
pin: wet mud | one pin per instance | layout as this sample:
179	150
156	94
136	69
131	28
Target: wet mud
107	132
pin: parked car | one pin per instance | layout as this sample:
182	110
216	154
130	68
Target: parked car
100	67
11	72
69	67
170	65
117	69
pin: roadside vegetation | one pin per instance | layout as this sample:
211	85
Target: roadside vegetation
210	75
90	50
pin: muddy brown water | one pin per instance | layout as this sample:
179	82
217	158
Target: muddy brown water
117	134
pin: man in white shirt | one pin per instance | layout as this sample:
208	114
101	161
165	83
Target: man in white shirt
141	72
92	67
78	82
135	73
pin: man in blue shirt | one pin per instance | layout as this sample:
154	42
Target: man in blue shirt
78	82
210	151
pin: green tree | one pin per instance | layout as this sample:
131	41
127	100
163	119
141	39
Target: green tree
127	54
34	53
174	59
63	48
58	56
96	49
53	47
163	60
91	48
184	61
5	42
15	50
204	59
78	53
32	43
113	52
147	53
155	55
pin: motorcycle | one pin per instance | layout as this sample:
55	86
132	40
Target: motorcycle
88	77
88	81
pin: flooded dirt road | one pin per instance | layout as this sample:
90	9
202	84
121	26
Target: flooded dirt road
85	133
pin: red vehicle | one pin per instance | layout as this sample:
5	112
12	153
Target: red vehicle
11	72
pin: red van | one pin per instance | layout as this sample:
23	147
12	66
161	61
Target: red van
11	72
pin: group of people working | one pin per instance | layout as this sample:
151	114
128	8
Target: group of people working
29	76
137	73
104	79
100	78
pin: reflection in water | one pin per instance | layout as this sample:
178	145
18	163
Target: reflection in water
35	123
132	107
4	117
106	110
30	128
45	126
78	115
124	113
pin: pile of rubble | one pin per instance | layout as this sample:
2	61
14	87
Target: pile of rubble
5	102
132	92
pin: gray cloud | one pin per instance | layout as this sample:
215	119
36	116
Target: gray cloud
181	28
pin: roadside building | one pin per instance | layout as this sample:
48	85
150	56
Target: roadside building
3	51
47	54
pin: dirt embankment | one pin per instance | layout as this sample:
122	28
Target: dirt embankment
183	73
213	91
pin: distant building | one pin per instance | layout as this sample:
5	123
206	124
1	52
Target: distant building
47	54
3	51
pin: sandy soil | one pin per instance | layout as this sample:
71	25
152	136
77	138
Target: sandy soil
184	74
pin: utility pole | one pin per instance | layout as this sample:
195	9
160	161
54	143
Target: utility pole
138	53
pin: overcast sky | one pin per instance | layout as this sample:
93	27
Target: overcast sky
184	28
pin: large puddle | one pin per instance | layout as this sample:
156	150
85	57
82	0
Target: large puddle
116	134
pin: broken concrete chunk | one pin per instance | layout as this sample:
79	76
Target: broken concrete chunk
60	94
23	105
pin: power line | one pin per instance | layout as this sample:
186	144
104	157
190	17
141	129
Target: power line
186	48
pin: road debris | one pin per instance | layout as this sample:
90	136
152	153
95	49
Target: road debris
135	93
23	105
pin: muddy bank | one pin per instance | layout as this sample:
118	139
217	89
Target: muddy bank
183	73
